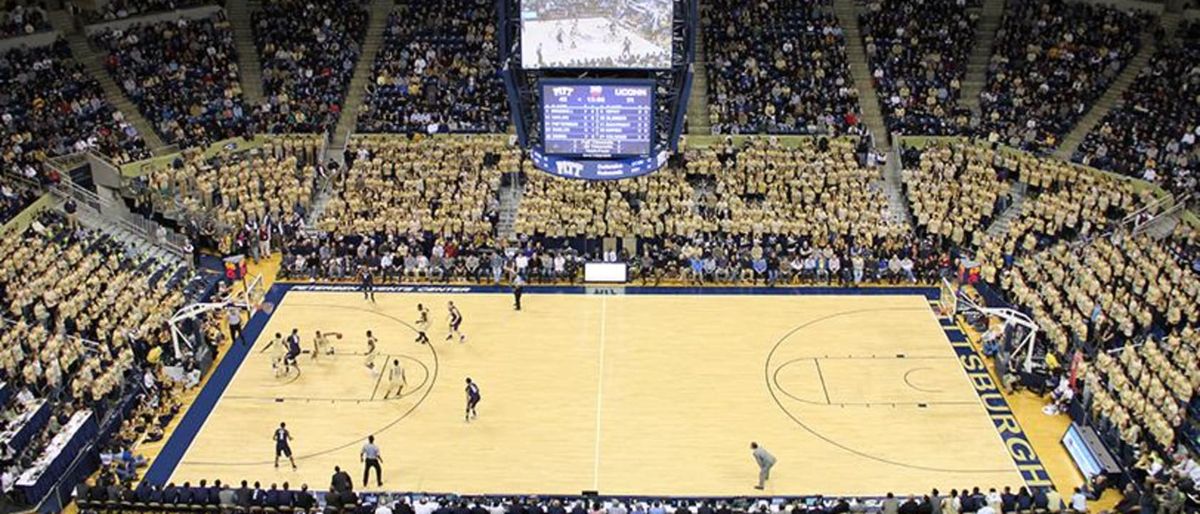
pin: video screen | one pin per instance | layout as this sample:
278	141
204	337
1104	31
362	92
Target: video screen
596	34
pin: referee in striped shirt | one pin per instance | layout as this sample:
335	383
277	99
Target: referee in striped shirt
371	459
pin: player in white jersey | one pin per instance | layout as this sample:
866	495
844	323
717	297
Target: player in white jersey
397	380
279	356
422	324
456	320
322	345
278	349
372	343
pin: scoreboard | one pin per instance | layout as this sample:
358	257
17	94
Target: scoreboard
598	118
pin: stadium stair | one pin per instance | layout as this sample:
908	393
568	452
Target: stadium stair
1112	97
1162	227
1015	207
249	65
363	70
93	64
990	16
697	112
856	54
510	200
116	231
893	188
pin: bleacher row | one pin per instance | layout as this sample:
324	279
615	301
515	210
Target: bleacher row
437	71
83	332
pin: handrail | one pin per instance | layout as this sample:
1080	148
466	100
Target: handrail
91	346
135	223
1158	202
1179	205
21	180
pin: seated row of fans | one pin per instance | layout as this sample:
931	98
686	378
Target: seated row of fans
437	71
778	67
84	317
1089	285
51	107
1152	133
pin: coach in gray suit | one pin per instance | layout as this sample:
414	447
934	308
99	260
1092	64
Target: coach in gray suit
765	461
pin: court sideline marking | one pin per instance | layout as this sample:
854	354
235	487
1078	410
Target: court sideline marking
600	390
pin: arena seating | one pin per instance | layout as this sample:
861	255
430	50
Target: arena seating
183	76
121	9
954	191
733	212
1152	134
308	54
243	197
21	18
1064	203
84	316
52	108
105	496
1052	60
918	51
778	67
14	197
428	205
437	71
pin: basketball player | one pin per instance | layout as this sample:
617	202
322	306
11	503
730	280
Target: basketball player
368	283
397	380
293	352
422	324
371	344
455	322
321	345
282	447
278	355
472	400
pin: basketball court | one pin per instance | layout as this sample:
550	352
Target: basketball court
626	394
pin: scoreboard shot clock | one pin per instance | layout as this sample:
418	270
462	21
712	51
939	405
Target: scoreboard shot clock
598	88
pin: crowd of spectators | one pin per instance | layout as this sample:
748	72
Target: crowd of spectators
246	203
759	211
84	326
107	494
954	191
1152	133
1063	202
778	67
418	208
183	76
112	10
51	107
308	52
21	18
918	52
1052	60
14	198
437	71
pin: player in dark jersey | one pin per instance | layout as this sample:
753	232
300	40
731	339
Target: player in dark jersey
472	399
282	445
367	277
422	324
293	352
456	320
